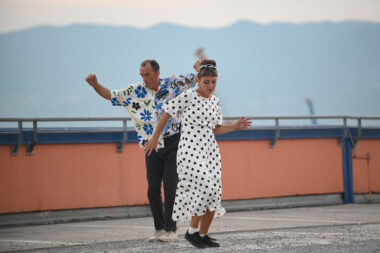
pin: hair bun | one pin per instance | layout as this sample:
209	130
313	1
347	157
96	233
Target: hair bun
207	68
208	62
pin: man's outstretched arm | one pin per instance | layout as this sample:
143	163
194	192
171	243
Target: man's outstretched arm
92	80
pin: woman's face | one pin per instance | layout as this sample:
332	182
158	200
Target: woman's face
207	85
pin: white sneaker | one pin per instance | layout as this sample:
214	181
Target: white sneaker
170	236
156	234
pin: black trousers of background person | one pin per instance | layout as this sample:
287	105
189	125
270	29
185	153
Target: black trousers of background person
162	166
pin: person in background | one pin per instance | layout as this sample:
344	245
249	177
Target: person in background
143	102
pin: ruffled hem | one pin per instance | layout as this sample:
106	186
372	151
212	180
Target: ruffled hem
219	212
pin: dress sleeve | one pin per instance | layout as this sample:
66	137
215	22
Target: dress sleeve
123	96
219	114
177	105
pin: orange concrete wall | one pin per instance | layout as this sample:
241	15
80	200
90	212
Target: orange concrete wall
65	176
69	176
293	167
366	172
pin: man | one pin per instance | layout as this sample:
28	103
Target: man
144	103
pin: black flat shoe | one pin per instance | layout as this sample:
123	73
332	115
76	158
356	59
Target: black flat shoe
195	240
209	242
212	239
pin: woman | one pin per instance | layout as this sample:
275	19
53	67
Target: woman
199	189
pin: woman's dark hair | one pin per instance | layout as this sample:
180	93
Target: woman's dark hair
152	63
207	68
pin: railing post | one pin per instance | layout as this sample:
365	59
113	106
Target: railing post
345	131
30	146
356	139
277	133
15	147
120	145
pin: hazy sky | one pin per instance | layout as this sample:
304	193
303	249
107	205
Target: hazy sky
19	14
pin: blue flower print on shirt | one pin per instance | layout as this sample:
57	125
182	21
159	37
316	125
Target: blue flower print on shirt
115	101
127	101
159	106
167	126
140	92
177	90
165	88
146	115
139	138
148	128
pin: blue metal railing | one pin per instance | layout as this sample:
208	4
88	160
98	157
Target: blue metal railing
274	131
346	135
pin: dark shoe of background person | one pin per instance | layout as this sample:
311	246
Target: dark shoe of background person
209	242
195	240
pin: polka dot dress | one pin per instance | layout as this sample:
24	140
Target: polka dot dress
198	157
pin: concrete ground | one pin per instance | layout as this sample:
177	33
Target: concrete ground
338	228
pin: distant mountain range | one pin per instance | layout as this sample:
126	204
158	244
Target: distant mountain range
263	69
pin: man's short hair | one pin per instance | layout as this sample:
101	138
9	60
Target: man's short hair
152	63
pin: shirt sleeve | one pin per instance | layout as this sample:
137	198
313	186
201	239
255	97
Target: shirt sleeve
180	83
190	80
122	97
177	105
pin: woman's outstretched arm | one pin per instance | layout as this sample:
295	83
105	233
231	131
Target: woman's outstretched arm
242	123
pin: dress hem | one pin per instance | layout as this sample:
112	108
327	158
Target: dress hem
219	212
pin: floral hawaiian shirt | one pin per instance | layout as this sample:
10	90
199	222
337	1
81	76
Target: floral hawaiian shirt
171	87
145	105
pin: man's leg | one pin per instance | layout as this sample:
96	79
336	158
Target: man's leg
170	179
154	168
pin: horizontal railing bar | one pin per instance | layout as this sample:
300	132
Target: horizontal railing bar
226	118
71	131
118	130
83	131
66	119
305	117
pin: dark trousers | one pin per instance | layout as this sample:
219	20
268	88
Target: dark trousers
162	166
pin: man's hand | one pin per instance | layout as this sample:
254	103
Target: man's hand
243	123
92	80
150	146
102	91
196	66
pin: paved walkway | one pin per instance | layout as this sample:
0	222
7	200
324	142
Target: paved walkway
339	228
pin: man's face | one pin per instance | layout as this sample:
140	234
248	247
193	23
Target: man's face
149	77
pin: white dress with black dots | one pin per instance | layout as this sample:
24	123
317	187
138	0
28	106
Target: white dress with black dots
198	157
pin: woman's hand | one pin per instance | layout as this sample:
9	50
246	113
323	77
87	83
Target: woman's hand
243	123
151	145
